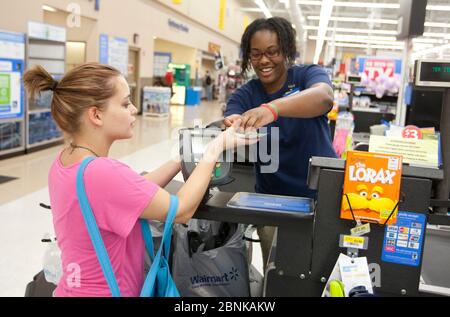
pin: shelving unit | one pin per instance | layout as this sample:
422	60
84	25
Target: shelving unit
12	100
39	111
12	136
46	47
156	102
380	109
373	112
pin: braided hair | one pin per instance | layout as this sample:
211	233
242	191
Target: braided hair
284	31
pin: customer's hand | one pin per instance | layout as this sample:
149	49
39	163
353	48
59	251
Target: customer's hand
228	139
256	118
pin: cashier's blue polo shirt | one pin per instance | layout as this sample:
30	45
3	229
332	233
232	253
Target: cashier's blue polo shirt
300	139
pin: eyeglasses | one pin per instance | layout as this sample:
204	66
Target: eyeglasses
270	54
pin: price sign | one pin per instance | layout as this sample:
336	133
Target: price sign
412	132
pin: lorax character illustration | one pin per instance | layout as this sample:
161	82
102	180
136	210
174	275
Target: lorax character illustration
370	201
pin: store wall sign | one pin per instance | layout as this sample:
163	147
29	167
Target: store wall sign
104	53
46	32
12	45
10	94
12	54
178	26
114	52
374	67
213	48
5	66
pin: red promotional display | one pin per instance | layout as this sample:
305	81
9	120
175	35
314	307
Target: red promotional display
412	132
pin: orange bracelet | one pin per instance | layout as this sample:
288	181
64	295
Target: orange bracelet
272	109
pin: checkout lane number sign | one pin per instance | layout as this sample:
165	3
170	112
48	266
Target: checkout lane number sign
403	241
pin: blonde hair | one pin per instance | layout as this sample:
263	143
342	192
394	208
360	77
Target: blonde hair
85	86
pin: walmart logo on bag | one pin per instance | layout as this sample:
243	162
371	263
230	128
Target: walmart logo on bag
215	280
234	274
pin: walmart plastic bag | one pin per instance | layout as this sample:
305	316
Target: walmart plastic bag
210	260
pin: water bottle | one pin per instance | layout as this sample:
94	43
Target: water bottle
52	265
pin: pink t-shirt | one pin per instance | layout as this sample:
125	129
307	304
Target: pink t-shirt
117	196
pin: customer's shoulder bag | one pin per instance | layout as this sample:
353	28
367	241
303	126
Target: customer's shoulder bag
159	281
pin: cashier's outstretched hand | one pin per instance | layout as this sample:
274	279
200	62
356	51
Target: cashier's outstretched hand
256	118
228	121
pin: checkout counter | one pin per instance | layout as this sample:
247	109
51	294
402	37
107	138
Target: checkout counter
306	246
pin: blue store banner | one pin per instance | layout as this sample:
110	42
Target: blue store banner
403	242
114	52
104	48
376	66
12	55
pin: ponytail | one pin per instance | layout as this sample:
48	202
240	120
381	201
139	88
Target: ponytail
37	79
85	86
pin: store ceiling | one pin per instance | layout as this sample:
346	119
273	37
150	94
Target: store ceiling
357	24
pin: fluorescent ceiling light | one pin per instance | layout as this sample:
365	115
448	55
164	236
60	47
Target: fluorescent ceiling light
437	25
383	21
350	19
369	37
422	45
389	47
356	40
382	40
385	38
365	37
310	3
432	41
355	30
264	8
355	4
440	35
48	8
325	14
286	3
438	8
436	49
384	47
373	5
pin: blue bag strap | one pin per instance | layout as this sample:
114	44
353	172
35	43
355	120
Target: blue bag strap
165	244
167	235
147	235
94	232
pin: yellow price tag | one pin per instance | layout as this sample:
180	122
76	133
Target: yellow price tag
354	242
360	230
384	214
